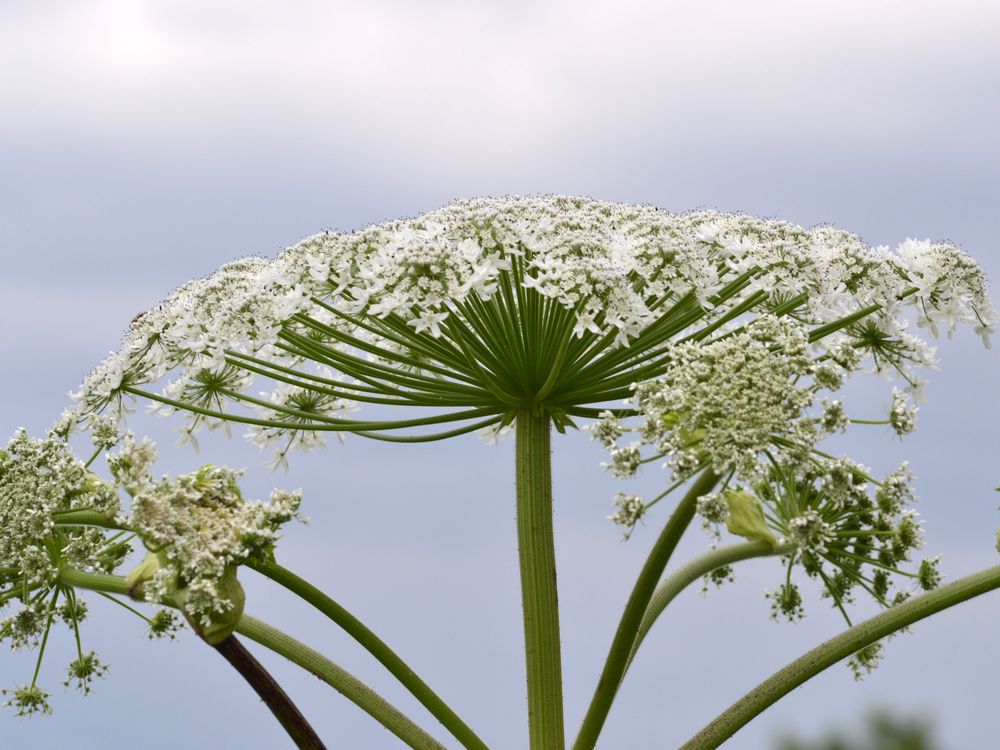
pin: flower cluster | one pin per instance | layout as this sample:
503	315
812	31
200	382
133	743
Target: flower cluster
743	407
198	529
308	404
902	415
40	478
630	510
843	529
40	481
492	304
724	403
59	521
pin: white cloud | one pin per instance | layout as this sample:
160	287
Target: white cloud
474	78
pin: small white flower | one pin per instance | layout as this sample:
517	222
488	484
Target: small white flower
428	320
902	416
630	509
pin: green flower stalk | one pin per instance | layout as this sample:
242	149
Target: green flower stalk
723	334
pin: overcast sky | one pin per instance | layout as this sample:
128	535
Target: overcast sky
144	143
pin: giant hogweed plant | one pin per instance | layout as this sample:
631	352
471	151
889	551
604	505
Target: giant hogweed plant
711	345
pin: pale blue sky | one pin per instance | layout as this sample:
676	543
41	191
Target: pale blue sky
143	143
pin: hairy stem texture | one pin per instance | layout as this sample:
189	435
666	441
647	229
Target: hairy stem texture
376	647
628	627
539	597
839	647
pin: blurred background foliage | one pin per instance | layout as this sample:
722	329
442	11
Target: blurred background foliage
881	730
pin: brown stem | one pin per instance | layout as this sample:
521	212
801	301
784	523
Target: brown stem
276	699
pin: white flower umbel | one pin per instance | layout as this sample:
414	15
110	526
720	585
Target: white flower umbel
728	401
848	531
902	415
629	511
40	478
489	306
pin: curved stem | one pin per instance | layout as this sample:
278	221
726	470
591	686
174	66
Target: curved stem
340	680
433	436
324	425
456	416
539	594
635	608
266	687
839	647
688	574
312	661
271	693
376	647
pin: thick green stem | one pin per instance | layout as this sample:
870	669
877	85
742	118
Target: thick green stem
539	597
692	571
850	641
618	656
377	648
312	661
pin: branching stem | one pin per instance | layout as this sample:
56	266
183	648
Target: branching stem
312	661
692	571
635	608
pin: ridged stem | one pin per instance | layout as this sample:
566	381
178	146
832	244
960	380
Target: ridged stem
377	648
684	576
618	655
539	597
312	661
839	647
340	680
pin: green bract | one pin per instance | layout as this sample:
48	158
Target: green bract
746	518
